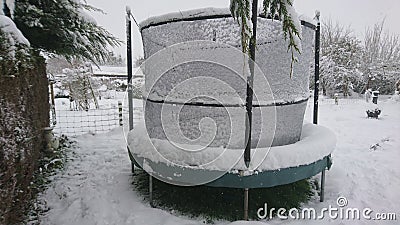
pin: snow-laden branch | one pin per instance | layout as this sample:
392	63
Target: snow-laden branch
280	9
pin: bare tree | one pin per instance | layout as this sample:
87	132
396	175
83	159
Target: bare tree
381	58
341	54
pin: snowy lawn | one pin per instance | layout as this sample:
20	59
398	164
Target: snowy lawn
216	203
96	186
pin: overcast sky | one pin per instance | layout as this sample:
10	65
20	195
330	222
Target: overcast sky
359	14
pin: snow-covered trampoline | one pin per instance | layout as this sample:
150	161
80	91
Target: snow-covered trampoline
283	164
193	129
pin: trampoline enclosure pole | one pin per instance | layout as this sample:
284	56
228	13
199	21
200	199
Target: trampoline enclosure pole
316	69
129	64
246	204
151	190
249	96
316	91
321	197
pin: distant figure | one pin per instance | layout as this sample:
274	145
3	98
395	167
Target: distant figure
368	94
375	95
336	97
72	104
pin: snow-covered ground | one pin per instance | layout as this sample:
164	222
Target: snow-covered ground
95	187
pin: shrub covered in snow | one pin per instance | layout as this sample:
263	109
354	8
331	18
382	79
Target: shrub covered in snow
78	82
24	112
348	64
14	47
52	26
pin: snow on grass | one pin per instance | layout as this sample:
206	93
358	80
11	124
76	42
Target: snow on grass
96	188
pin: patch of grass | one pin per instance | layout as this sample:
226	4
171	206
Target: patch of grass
214	203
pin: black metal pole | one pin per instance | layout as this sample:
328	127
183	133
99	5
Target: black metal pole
129	64
249	97
322	194
246	204
316	94
316	72
151	190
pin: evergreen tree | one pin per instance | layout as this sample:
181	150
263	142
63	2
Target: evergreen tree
62	27
276	9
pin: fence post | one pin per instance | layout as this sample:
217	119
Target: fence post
120	112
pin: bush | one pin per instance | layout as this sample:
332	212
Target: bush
24	112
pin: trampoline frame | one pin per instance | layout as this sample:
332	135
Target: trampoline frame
264	179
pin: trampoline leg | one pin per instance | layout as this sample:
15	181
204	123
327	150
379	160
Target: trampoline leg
133	167
246	204
151	190
321	197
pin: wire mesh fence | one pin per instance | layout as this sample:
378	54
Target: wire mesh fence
73	123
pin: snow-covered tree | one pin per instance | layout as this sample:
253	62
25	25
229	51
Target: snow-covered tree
381	59
341	54
79	83
62	27
113	60
14	47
